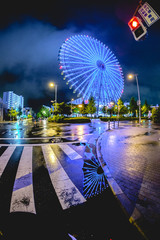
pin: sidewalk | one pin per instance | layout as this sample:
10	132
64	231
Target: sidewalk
130	157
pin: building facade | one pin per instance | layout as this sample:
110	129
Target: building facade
1	110
12	100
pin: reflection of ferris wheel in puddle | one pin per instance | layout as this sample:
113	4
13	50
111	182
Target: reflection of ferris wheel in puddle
91	69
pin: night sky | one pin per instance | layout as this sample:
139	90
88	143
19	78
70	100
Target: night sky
31	34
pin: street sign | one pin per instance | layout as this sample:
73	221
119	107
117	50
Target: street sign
148	14
138	102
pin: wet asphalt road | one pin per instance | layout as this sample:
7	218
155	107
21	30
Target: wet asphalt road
99	218
27	132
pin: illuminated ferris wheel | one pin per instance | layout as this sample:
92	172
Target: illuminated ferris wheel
91	69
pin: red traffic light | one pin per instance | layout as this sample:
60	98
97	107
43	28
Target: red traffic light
137	28
134	23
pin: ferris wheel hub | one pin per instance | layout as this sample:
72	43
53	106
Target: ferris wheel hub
100	65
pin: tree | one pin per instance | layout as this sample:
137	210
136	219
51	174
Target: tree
19	111
83	108
91	108
44	112
104	109
120	108
133	106
156	115
145	108
110	111
13	114
62	108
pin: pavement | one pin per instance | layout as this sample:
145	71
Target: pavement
130	158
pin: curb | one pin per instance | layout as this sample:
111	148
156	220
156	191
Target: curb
134	216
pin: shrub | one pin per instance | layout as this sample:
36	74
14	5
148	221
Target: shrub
77	120
56	118
121	118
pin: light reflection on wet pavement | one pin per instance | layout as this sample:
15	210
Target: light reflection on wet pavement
132	155
43	132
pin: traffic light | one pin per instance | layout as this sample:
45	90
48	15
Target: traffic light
137	28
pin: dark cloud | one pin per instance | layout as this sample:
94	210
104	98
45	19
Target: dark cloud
31	36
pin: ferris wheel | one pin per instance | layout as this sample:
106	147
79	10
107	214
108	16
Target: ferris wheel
91	69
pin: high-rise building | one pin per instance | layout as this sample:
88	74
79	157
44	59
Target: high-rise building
1	110
12	100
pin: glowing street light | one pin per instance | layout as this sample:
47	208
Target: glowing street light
51	85
71	104
131	76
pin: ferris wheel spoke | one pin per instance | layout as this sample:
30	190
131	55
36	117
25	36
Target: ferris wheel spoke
93	48
86	51
86	87
78	57
77	69
82	53
90	45
107	90
112	82
83	82
116	76
80	75
88	48
90	84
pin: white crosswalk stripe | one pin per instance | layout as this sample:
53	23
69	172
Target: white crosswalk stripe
22	196
69	151
66	191
4	158
22	199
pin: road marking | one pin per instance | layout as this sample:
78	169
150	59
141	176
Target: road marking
38	144
66	191
36	138
22	196
4	158
69	151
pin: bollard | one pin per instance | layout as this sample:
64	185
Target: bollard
114	122
109	125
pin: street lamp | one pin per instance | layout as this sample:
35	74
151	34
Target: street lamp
131	76
51	85
71	104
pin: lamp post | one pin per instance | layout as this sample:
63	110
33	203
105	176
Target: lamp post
131	76
51	85
71	105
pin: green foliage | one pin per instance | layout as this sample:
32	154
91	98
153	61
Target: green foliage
77	120
19	111
62	119
145	108
13	114
29	116
62	108
43	112
156	115
83	109
121	118
56	118
91	107
133	106
104	109
120	106
110	111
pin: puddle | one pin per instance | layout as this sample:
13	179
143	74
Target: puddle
79	144
60	140
94	181
141	135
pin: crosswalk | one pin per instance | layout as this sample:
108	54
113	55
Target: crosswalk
19	165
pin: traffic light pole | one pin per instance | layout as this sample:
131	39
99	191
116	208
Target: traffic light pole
139	101
139	5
